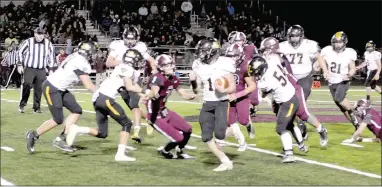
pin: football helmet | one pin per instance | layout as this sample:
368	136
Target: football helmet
339	41
237	37
165	64
360	107
234	51
269	46
87	49
370	46
133	58
208	50
295	35
130	36
257	67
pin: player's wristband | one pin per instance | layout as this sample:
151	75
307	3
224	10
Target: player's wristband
194	84
240	94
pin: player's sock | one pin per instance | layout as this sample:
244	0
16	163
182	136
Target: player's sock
186	138
368	97
83	130
319	128
121	149
137	128
286	140
239	136
353	117
170	146
228	132
297	135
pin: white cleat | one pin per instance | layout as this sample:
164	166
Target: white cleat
123	158
243	147
130	148
189	147
224	167
73	131
288	159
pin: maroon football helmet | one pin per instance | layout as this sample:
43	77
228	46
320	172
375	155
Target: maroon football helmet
234	51
165	64
269	45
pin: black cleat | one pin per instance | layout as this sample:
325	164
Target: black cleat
166	155
37	110
21	109
181	155
31	139
323	137
60	144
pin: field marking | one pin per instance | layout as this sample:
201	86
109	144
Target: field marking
352	145
5	183
332	166
9	149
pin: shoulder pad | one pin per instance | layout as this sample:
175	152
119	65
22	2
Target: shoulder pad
116	44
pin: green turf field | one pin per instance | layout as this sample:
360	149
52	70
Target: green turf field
94	164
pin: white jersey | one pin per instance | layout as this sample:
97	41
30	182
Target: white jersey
276	82
300	58
118	49
208	73
338	63
371	59
69	71
110	86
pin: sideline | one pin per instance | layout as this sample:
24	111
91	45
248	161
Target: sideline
328	165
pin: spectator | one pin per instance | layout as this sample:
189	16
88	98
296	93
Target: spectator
154	9
230	9
143	11
11	39
100	67
164	7
114	30
61	56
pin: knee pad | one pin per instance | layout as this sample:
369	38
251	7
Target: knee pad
77	110
220	135
206	137
281	129
59	119
101	134
126	125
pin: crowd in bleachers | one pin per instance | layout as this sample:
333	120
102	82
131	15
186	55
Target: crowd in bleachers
61	24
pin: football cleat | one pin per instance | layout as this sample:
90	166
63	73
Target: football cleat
181	155
21	109
31	139
303	148
123	158
288	159
166	155
224	167
323	137
242	147
60	144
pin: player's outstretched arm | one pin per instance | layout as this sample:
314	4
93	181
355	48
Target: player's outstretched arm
183	93
130	86
357	133
87	82
361	66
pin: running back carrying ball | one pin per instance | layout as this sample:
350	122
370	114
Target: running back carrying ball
222	82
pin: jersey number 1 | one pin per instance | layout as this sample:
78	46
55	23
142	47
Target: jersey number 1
210	84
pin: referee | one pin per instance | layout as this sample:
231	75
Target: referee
11	60
35	54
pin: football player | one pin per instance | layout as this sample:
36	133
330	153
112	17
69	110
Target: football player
270	51
55	89
302	53
369	118
165	121
117	50
236	37
373	63
239	103
341	64
123	76
272	80
209	67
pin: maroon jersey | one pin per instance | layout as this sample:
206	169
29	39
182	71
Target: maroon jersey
240	74
148	69
249	51
166	85
373	120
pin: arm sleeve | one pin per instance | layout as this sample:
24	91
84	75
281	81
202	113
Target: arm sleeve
23	47
155	81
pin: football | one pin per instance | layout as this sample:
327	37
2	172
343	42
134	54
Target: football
222	82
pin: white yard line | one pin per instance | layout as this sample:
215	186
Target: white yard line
5	148
328	165
5	183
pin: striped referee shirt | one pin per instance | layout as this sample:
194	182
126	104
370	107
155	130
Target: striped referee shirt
37	55
11	58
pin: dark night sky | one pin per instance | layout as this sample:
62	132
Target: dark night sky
360	20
